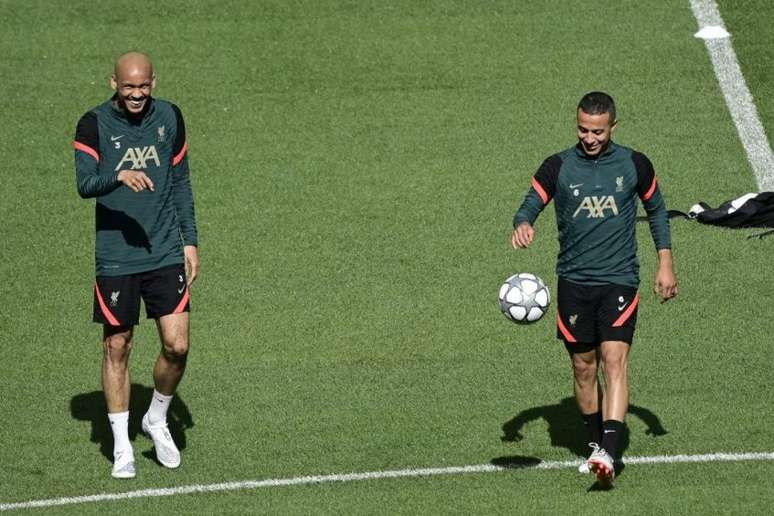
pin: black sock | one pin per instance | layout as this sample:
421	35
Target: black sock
612	431
593	423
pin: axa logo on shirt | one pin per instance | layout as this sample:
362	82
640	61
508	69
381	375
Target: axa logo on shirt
138	157
595	206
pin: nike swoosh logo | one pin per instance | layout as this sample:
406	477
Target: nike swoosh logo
621	307
114	138
181	289
609	431
576	186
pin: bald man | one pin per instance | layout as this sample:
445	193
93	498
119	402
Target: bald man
131	156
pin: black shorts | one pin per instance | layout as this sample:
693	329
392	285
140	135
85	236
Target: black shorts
590	314
117	298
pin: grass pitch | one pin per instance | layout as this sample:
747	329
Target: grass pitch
356	167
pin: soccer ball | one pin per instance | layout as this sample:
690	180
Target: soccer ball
524	298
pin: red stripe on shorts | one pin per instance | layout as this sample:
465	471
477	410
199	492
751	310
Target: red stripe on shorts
105	310
181	306
628	313
562	328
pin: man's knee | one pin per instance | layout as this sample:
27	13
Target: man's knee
175	349
616	361
117	343
585	370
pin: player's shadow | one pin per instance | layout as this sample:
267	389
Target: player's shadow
565	429
91	407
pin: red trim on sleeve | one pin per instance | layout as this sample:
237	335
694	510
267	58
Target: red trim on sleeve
565	332
180	155
539	189
650	191
105	310
181	306
85	148
628	313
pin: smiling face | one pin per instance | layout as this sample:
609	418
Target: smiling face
594	132
133	81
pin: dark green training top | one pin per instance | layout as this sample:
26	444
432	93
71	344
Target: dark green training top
595	198
136	231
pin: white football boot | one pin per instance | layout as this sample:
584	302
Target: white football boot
166	451
584	466
601	464
123	464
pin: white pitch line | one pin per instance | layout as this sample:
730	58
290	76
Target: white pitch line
738	98
370	475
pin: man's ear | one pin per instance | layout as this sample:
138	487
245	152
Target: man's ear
113	82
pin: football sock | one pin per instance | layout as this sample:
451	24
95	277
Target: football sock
157	412
612	431
593	423
119	424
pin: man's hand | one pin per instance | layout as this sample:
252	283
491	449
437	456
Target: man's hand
665	286
522	236
137	180
191	263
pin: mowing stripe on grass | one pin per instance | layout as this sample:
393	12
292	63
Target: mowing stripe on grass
370	475
738	98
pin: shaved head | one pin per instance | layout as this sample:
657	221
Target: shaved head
133	80
132	61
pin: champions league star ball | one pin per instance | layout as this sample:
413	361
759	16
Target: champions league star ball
524	298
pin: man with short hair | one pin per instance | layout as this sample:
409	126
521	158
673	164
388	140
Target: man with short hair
131	155
595	186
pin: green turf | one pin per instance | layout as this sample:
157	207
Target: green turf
356	166
748	22
729	488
